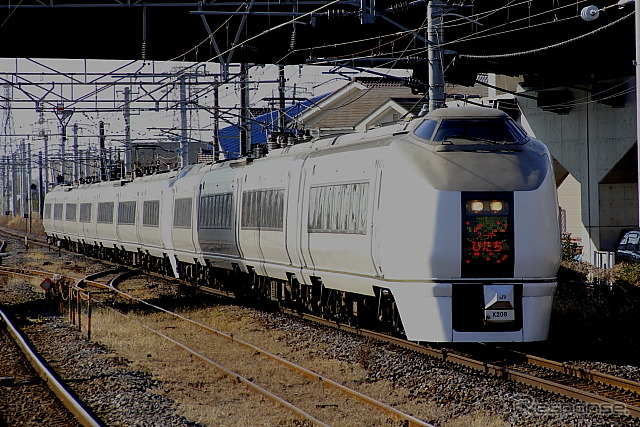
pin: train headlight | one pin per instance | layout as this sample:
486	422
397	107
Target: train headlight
496	206
476	206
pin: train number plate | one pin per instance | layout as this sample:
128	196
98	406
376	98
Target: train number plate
495	316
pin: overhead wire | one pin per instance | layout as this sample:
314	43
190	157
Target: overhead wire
482	33
11	13
552	46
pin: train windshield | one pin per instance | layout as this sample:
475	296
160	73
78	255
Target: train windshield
483	130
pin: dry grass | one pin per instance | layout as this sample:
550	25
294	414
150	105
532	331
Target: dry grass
205	396
32	225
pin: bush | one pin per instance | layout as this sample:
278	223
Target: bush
569	248
626	273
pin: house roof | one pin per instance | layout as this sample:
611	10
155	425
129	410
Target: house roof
261	126
352	104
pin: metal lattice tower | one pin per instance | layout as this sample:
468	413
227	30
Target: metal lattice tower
6	148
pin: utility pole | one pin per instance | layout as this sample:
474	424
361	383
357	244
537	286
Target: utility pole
15	210
41	191
245	123
76	166
46	163
63	115
24	185
5	185
184	141
87	164
281	95
127	131
436	72
216	121
103	172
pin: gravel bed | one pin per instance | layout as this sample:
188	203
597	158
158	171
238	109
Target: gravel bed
437	391
118	395
457	390
24	397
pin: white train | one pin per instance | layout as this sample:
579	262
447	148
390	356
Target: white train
444	228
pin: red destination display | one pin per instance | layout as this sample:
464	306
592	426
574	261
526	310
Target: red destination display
487	248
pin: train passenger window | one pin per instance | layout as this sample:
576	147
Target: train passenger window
182	213
47	211
57	211
263	209
105	212
85	212
151	213
127	213
215	211
340	208
425	129
70	212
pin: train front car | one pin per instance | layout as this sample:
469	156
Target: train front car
484	196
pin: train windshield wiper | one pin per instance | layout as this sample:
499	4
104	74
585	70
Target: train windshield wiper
471	138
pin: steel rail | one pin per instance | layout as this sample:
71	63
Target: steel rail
77	408
47	376
512	373
496	370
410	420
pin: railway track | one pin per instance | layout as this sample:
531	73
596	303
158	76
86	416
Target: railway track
608	393
27	370
302	396
618	395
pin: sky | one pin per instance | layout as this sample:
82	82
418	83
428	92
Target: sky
87	92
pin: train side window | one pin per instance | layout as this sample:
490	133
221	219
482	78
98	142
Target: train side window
425	129
182	213
215	211
85	212
105	213
127	213
57	211
340	208
70	212
263	209
150	213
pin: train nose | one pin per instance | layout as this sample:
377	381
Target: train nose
499	303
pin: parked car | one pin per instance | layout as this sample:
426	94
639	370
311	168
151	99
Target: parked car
628	247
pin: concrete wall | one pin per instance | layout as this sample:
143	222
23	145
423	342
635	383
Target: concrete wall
589	141
571	205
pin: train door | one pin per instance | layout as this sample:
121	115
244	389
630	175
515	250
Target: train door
306	262
166	226
375	241
238	215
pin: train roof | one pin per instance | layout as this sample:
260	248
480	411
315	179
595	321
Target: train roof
466	112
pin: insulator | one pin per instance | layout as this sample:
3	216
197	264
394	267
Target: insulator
589	13
338	14
396	8
144	51
415	59
415	84
294	37
273	141
282	140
